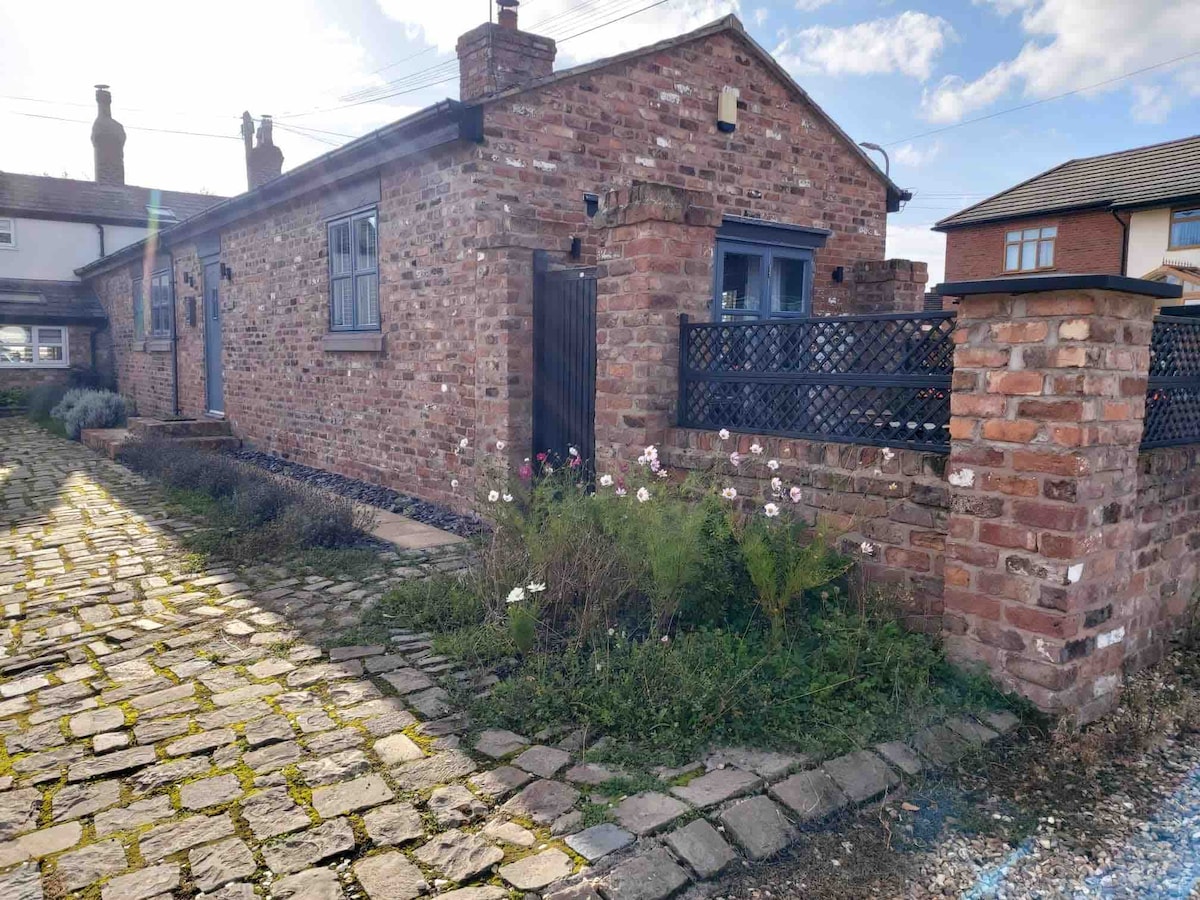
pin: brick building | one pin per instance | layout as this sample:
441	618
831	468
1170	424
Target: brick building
1126	213
369	310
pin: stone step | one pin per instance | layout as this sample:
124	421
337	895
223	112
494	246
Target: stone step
210	442
179	428
104	440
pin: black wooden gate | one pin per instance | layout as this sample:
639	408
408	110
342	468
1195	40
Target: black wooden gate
564	361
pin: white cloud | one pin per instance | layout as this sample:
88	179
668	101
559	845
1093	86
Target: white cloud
170	67
918	243
1151	104
761	15
1071	44
908	43
915	157
811	5
440	23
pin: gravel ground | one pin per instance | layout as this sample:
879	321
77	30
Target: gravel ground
1113	812
363	492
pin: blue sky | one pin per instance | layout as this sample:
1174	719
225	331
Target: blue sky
886	70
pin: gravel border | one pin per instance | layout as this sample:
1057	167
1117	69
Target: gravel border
364	492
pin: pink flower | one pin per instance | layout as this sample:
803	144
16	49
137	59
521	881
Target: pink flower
735	458
526	471
541	457
796	494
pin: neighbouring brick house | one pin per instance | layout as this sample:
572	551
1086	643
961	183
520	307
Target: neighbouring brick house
1125	213
50	322
367	311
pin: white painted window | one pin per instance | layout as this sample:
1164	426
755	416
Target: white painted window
1029	249
33	346
8	234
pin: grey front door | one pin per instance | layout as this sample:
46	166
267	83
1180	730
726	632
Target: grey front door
214	380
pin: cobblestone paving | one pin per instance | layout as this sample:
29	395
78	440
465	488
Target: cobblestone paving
171	734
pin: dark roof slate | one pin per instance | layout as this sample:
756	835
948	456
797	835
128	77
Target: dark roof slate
44	197
57	302
1160	173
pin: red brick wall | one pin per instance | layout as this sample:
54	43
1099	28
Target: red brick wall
141	374
888	286
890	514
1167	548
456	232
1088	241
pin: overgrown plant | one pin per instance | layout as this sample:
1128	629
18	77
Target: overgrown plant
82	408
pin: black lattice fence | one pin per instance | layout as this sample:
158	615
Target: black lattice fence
881	380
1173	392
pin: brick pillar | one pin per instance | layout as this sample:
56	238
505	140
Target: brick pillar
887	286
1046	417
655	262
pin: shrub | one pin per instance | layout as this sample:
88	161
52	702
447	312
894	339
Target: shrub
82	408
256	513
12	397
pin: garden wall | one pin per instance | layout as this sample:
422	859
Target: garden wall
1166	545
889	507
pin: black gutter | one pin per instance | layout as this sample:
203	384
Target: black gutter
100	231
1124	240
443	123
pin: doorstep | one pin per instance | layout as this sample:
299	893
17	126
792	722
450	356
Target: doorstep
409	534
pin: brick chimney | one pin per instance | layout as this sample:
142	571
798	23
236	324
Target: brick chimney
497	56
264	160
108	140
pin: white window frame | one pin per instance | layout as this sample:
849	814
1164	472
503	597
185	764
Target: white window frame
9	226
37	343
1034	238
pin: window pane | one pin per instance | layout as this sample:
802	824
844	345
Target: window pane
343	303
1012	257
365	243
1013	236
1185	228
741	281
1030	234
1045	254
51	353
1029	255
367	296
787	284
16	345
49	335
339	248
1050	231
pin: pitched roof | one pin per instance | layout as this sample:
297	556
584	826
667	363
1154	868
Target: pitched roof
450	120
28	302
1160	173
39	196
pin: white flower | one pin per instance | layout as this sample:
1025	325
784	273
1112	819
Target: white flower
655	465
663	473
651	452
643	495
507	498
620	492
454	483
756	448
547	470
599	666
867	547
777	485
611	632
536	587
493	496
771	510
723	434
516	595
889	453
463	444
664	639
735	458
571	451
730	493
643	459
500	445
773	465
796	494
606	481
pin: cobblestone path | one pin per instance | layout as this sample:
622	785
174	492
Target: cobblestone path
167	733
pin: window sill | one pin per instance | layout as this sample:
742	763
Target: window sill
158	345
352	342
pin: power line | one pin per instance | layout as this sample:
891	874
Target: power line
1033	103
190	114
229	137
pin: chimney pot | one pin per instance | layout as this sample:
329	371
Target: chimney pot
108	141
497	56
